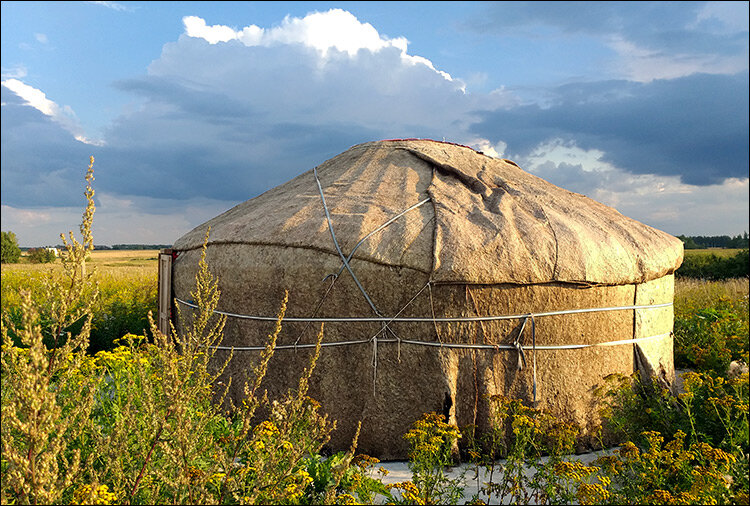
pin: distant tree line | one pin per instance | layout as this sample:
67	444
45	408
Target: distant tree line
715	241
133	246
41	255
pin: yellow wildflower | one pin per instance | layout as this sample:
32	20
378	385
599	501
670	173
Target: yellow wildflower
86	494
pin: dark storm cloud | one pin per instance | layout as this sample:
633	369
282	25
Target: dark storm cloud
42	164
163	152
665	26
202	102
232	167
695	127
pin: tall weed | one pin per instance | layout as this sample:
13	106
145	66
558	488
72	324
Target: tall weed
143	423
711	324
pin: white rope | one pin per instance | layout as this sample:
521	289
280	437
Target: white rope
409	319
533	354
538	347
288	346
519	348
381	227
336	243
495	347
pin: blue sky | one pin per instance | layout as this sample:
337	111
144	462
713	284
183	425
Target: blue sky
193	107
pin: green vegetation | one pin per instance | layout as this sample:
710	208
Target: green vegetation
144	423
715	241
9	250
711	324
714	266
140	418
125	297
41	256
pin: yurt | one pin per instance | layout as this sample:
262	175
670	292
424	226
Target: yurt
444	277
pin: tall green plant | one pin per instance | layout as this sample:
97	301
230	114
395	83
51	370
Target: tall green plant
46	405
155	412
143	423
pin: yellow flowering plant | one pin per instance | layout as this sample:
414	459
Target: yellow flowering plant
432	447
140	423
46	403
673	473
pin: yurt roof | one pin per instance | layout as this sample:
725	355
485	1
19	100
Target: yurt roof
471	219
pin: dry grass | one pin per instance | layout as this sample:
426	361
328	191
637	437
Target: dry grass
700	292
110	262
719	252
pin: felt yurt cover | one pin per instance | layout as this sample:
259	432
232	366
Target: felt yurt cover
445	277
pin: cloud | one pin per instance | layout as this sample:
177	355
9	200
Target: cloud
644	64
114	6
41	38
14	72
335	29
664	202
720	17
64	116
228	120
652	40
693	127
35	98
42	163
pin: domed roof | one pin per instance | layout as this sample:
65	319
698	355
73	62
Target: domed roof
471	219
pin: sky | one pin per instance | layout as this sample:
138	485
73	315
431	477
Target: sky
191	108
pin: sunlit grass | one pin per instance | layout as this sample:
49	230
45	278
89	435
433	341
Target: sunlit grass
719	252
701	293
127	291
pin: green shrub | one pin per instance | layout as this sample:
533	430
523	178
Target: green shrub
41	256
715	267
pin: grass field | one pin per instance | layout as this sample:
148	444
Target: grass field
719	252
104	260
127	291
699	292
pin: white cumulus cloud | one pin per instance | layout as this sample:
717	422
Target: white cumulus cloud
62	115
335	29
